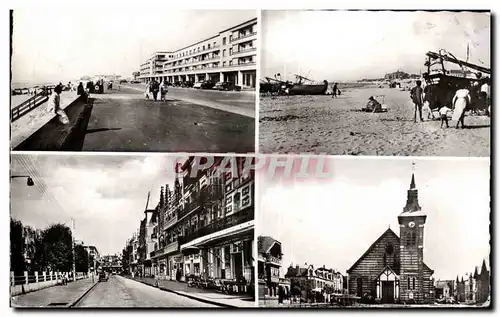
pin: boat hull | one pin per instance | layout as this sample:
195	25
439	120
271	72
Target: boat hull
300	89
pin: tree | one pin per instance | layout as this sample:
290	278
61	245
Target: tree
81	259
17	247
34	250
57	244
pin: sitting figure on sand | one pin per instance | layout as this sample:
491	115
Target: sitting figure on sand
373	106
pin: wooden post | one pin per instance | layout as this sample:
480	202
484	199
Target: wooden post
25	277
44	277
36	277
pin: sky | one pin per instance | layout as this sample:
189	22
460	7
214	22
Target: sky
52	45
351	45
334	222
105	194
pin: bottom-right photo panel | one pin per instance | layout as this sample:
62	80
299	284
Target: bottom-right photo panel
376	233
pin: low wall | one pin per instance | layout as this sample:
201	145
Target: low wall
55	136
31	287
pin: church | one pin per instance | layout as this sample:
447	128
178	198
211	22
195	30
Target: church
392	270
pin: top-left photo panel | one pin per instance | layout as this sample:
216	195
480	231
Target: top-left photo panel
156	80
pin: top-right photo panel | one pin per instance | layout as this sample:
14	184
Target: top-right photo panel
405	83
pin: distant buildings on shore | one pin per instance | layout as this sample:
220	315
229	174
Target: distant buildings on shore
229	56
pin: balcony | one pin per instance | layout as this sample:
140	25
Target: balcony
220	224
241	37
253	49
273	260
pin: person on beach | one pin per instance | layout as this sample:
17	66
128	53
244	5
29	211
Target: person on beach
54	105
163	90
461	101
334	91
443	112
373	105
80	90
417	97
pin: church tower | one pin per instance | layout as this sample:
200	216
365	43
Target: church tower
411	224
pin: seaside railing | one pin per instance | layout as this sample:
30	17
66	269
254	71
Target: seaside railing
30	104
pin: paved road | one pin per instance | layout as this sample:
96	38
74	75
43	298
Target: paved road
124	121
122	292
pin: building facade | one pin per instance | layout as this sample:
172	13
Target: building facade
474	287
269	260
203	227
321	284
393	268
229	56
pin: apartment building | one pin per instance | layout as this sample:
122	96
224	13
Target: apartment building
230	56
269	259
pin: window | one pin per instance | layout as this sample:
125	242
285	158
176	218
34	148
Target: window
409	285
411	239
223	41
223	53
231	51
208	46
230	38
413	286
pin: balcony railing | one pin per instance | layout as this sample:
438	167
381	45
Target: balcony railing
220	224
273	260
244	51
243	37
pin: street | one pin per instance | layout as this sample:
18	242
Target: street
119	291
122	120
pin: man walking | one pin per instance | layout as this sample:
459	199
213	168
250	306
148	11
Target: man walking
416	95
334	92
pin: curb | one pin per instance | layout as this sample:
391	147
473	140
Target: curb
72	305
206	301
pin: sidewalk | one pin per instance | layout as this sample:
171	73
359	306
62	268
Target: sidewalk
56	296
212	297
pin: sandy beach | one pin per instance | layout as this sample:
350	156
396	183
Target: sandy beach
323	125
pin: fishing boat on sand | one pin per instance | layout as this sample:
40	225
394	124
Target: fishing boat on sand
305	86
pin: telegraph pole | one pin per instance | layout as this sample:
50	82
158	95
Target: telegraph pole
73	247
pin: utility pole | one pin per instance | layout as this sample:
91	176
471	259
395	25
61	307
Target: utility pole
73	247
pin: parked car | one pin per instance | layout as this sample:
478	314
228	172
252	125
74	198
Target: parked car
207	85
103	277
135	82
123	81
227	86
197	85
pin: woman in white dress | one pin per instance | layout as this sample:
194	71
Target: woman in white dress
163	90
461	101
148	91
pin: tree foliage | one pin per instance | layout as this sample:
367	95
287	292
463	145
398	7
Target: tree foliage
17	247
81	259
57	244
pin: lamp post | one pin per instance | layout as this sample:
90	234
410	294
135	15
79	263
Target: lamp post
29	181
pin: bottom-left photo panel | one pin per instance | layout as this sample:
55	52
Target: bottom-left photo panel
143	231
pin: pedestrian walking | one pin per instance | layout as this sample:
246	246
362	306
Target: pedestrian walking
461	101
416	95
163	90
148	91
54	105
334	92
156	89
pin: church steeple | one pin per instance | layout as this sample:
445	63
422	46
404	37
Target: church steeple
412	197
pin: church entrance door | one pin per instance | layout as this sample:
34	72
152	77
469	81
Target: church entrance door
387	292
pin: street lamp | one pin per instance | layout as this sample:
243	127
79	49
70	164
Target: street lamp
29	182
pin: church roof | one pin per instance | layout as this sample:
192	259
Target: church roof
412	207
388	231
